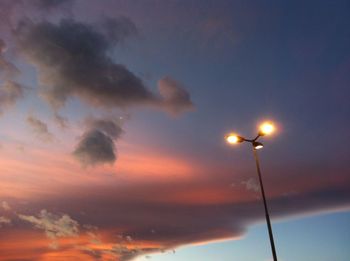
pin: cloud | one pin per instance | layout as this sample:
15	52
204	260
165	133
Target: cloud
150	223
55	226
72	59
5	206
4	221
251	184
61	121
7	69
175	97
96	145
10	93
109	127
10	90
40	128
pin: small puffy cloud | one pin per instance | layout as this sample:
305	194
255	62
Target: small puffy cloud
55	226
40	128
251	184
175	98
96	146
5	206
10	92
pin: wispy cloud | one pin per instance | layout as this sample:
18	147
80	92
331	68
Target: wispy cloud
10	92
55	226
40	128
5	206
251	184
4	221
175	97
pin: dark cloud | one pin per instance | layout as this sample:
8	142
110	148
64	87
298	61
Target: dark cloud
40	128
175	97
95	147
109	127
72	60
10	92
97	143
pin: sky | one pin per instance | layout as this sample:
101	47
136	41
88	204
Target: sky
113	116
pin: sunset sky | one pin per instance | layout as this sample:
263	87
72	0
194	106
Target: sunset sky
113	116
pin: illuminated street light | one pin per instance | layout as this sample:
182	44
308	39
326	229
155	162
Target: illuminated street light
232	138
257	145
266	128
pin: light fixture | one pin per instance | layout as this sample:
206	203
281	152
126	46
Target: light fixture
233	138
266	128
257	145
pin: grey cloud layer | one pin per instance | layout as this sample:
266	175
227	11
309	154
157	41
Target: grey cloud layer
169	225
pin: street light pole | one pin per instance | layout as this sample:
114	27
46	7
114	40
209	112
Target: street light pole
265	129
267	216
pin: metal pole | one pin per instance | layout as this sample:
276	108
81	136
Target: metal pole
265	205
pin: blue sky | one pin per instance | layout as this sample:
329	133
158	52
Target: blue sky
296	239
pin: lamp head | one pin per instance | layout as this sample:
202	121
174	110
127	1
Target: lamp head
266	128
233	138
257	145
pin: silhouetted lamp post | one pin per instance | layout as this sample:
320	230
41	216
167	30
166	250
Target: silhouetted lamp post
265	129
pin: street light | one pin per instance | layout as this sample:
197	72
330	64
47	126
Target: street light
266	128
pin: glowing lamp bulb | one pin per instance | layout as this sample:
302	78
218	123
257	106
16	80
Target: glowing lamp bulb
233	139
266	128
